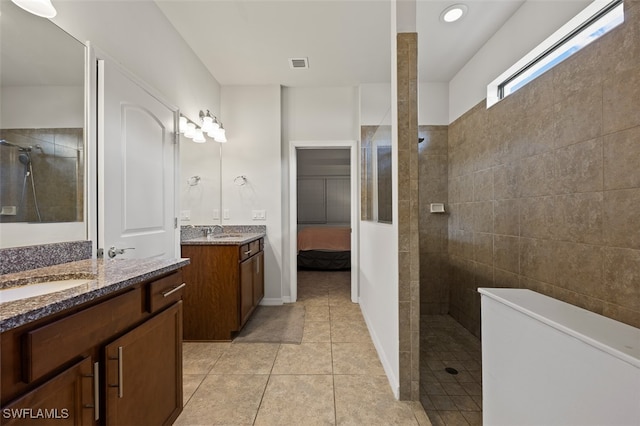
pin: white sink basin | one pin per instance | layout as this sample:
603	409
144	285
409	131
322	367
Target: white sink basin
38	289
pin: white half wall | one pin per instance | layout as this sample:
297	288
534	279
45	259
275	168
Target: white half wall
252	121
529	26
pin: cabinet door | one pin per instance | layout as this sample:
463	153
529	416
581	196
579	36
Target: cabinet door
258	278
144	372
67	399
246	289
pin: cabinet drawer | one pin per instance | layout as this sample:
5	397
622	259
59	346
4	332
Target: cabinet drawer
165	291
250	249
52	345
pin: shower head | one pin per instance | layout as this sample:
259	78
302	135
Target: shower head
24	159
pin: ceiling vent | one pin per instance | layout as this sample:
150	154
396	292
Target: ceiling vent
299	63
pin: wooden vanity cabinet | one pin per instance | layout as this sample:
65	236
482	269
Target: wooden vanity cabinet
116	360
66	399
226	283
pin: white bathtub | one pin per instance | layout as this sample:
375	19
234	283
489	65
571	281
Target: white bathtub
546	362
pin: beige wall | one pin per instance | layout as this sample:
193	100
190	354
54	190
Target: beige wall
544	187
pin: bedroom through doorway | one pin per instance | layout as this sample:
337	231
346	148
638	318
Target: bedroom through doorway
322	193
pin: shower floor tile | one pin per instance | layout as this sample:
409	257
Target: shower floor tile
450	399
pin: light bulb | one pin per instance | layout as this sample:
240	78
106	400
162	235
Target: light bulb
190	132
182	124
207	123
221	135
42	8
199	136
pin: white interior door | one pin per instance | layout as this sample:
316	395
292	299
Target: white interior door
136	169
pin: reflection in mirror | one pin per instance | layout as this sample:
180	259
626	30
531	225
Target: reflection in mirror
200	199
41	121
376	172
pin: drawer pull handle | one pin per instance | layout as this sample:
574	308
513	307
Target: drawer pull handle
248	252
173	290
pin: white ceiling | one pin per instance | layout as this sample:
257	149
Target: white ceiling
245	42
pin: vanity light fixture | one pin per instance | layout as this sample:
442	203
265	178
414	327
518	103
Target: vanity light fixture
209	124
42	8
453	13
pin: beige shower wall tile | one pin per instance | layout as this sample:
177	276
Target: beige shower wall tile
621	222
506	219
483	185
621	159
578	116
622	277
579	167
506	251
537	259
622	101
578	217
578	267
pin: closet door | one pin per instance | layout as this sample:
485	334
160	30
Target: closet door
311	200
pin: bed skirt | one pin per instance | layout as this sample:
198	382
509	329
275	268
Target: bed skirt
324	260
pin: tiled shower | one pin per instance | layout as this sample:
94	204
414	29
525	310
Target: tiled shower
43	180
542	192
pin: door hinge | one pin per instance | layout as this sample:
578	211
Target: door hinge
175	223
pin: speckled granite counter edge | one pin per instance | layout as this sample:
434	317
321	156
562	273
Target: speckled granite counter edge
16	259
190	232
237	241
110	276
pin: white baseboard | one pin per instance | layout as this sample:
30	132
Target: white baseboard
274	301
286	299
386	365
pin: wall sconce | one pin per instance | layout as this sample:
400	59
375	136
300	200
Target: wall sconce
209	124
42	8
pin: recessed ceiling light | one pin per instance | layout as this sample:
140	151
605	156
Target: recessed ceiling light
453	13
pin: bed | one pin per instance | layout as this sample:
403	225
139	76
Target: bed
324	248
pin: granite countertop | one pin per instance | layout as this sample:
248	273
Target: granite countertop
106	276
228	239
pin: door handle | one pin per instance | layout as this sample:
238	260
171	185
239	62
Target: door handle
113	251
96	391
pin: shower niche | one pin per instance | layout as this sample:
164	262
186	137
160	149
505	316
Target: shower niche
41	175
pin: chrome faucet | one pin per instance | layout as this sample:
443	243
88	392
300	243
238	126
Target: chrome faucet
208	231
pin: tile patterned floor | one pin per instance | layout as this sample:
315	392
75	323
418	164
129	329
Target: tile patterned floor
450	399
334	377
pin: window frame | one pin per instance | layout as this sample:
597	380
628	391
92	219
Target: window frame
574	28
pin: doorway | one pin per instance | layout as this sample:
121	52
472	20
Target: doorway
321	182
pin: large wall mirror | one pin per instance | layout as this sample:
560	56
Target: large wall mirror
42	121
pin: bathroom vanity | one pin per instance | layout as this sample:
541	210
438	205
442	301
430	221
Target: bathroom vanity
226	283
108	351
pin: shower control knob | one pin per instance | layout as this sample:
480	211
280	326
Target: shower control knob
113	251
